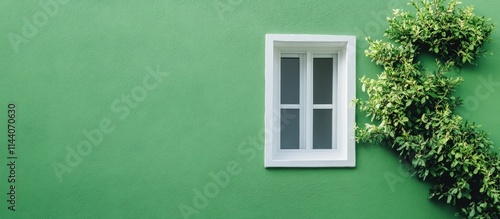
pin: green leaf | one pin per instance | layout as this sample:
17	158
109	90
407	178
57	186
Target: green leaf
476	170
414	162
472	213
423	118
467	195
408	103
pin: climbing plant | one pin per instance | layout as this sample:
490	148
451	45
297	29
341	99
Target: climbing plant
411	108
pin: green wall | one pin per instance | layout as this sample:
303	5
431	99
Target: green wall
125	110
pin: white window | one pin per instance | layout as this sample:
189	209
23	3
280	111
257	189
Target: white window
309	113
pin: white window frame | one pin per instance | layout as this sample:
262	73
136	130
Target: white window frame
306	46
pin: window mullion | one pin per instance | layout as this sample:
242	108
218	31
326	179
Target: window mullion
335	103
302	101
309	101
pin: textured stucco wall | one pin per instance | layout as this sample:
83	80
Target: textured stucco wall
97	65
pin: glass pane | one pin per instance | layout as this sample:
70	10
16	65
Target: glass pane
289	129
322	129
290	68
322	79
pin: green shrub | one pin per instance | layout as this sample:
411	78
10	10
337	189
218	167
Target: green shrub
412	110
452	33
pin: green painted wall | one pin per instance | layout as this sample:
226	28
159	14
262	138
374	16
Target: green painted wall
94	68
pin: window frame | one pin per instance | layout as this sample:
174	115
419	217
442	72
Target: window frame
280	46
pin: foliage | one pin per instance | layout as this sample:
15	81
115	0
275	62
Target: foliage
413	109
453	34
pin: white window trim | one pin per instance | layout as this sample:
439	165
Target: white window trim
343	154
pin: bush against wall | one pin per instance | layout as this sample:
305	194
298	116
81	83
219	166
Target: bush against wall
411	109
